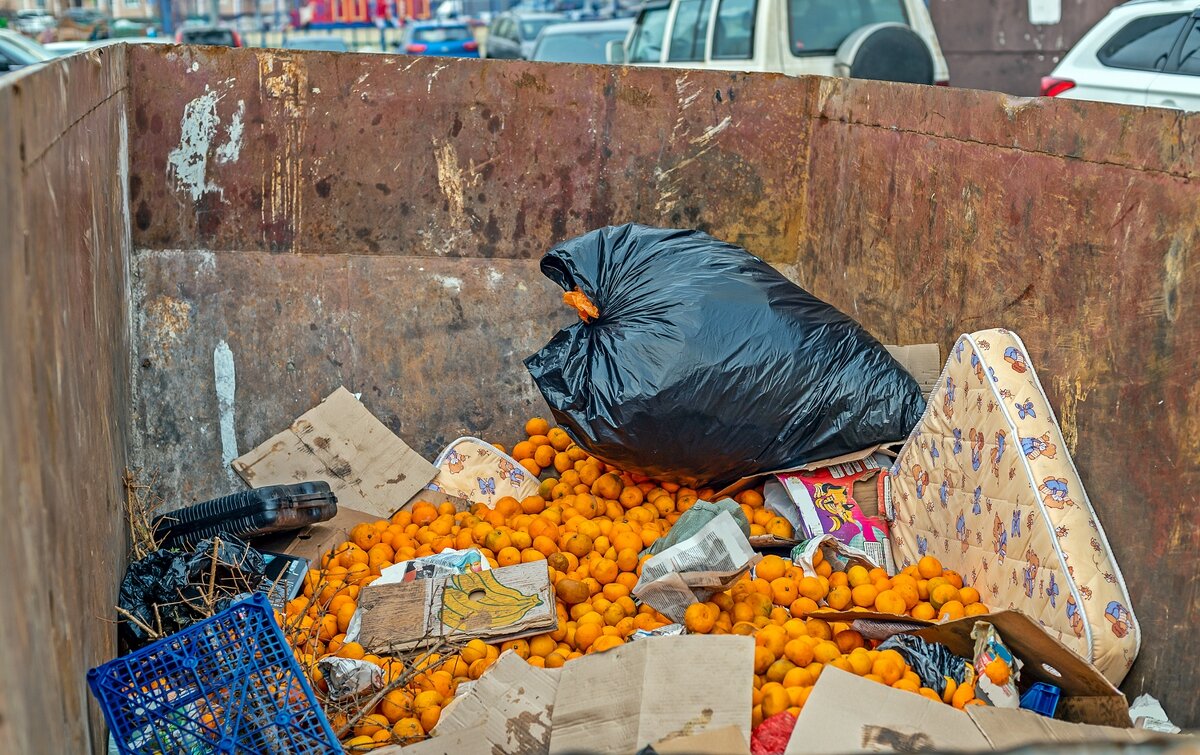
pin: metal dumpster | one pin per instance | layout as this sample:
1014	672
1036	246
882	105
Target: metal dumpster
199	244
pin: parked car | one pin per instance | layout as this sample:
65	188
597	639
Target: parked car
33	21
18	51
885	39
453	39
321	42
583	42
1141	53
217	36
62	49
512	35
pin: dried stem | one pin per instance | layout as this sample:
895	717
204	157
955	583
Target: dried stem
147	629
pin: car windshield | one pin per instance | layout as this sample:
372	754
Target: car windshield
648	41
442	34
330	44
818	27
530	28
208	37
587	47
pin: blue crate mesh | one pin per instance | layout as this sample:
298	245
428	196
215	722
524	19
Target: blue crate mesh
228	684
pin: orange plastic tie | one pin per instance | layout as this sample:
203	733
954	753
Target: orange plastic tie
580	303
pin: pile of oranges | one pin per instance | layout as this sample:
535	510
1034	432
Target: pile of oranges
781	608
590	522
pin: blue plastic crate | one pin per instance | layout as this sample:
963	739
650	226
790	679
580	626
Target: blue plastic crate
228	684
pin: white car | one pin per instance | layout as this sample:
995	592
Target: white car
1145	52
875	39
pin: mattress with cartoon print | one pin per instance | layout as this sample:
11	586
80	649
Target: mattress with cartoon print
985	484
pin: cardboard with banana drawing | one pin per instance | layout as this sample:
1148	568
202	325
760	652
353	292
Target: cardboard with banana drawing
496	605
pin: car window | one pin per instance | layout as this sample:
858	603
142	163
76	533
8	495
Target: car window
1189	56
575	48
442	34
690	31
530	29
733	36
647	43
818	27
1144	43
218	37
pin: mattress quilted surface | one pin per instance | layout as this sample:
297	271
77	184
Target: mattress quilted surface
985	484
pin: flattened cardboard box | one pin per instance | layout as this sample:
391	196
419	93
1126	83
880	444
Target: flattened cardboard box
634	695
367	466
884	719
509	708
495	605
372	472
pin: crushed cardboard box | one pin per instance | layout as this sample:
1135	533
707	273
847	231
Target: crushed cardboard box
1087	697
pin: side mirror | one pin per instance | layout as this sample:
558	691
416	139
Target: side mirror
614	51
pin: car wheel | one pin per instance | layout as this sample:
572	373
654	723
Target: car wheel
885	52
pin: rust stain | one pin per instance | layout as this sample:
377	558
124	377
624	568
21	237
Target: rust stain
166	321
283	81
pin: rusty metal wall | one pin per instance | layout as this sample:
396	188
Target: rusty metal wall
64	393
990	44
376	221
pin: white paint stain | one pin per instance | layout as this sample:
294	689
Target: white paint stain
207	263
188	163
432	76
449	283
712	131
195	66
224	378
232	148
494	278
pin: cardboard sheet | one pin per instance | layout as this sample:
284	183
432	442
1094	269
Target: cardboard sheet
727	740
637	694
846	714
508	710
367	466
494	605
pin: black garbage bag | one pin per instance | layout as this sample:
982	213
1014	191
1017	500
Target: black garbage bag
702	364
169	587
929	660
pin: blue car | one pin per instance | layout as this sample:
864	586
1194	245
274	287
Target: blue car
447	39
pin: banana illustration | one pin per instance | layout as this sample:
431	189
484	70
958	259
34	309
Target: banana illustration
499	606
